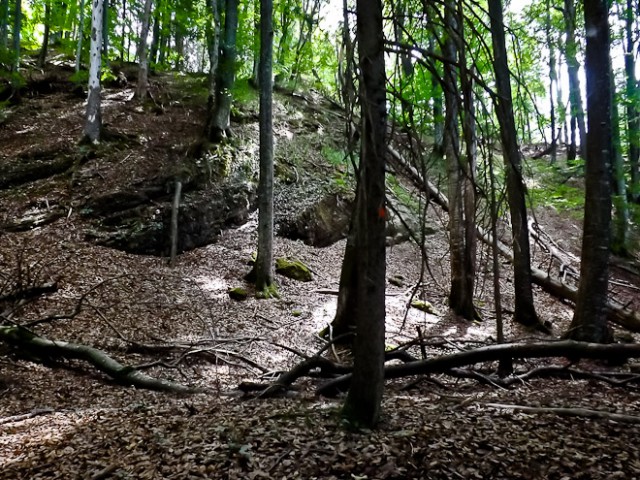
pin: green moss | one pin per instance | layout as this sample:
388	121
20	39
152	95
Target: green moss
296	313
270	291
238	293
424	306
294	269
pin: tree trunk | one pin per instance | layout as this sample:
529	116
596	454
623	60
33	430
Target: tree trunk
4	25
461	260
42	57
575	98
553	80
93	124
213	45
362	406
633	112
590	315
17	26
155	36
264	260
123	36
525	313
80	36
105	31
141	88
620	231
219	123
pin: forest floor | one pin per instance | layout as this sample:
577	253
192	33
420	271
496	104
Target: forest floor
67	421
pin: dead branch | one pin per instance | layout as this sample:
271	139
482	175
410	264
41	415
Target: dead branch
40	347
570	412
25	416
442	364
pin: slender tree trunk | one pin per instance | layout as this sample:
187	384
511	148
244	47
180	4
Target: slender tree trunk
438	112
285	31
4	25
308	22
143	70
213	45
42	57
123	35
461	259
105	31
255	74
17	26
93	124
633	97
220	122
264	260
525	313
575	98
562	109
620	232
362	406
80	36
155	37
590	315
553	80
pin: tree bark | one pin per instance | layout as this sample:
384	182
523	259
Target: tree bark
4	25
80	36
264	259
573	66
632	93
525	313
590	315
219	123
143	70
42	56
93	123
17	26
362	406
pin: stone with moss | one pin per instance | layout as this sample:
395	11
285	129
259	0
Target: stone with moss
238	293
294	269
424	306
296	313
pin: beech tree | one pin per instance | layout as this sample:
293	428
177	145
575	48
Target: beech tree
93	121
218	121
141	89
525	313
590	315
264	259
362	406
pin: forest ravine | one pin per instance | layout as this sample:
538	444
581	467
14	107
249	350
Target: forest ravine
78	424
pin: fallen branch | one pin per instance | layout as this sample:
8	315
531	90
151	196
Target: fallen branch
564	348
25	416
27	341
570	412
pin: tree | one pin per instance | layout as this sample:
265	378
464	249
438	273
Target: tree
93	123
362	406
17	26
42	57
4	25
218	121
141	89
264	259
573	66
525	313
632	93
462	230
590	316
80	36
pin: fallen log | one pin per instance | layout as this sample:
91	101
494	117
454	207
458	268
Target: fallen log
564	348
40	347
569	412
619	313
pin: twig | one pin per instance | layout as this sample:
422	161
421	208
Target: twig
105	472
25	416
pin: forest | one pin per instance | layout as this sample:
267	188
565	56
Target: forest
319	239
